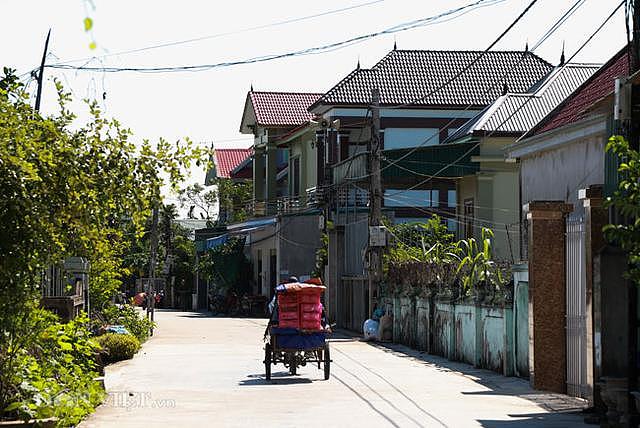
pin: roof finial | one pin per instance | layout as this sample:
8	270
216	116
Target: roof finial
562	56
395	44
505	88
526	46
358	65
251	86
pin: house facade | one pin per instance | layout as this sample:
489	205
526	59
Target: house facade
283	235
490	196
425	96
579	344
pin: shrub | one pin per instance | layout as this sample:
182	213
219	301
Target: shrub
129	317
118	347
53	371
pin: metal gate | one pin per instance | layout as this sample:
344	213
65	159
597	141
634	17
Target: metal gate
576	309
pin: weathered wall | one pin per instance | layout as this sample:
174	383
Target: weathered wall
559	174
467	332
465	328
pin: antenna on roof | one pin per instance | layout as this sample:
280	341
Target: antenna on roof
562	55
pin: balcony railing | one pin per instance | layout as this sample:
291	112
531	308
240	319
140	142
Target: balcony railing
353	169
313	198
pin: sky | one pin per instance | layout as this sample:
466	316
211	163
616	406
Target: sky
206	106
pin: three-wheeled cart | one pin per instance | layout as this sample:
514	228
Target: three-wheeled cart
294	349
296	334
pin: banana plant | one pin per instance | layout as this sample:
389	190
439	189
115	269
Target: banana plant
476	264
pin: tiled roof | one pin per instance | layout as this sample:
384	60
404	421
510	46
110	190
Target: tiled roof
406	76
601	84
517	113
282	108
225	160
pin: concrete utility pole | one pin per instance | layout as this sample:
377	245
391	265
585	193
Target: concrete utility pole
41	72
375	197
152	266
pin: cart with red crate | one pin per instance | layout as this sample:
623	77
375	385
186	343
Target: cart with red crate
297	336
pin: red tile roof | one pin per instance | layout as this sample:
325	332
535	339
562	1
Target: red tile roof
282	108
226	160
601	84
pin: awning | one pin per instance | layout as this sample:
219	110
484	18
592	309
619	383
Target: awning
238	227
217	241
442	160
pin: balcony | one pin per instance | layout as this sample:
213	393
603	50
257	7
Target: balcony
353	169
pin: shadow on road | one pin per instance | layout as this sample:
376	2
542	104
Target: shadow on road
279	378
531	420
496	383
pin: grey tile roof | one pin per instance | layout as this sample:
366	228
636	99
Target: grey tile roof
404	76
517	113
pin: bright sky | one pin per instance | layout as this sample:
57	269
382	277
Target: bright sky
207	105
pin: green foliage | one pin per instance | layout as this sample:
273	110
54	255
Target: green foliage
130	317
118	347
424	256
476	265
53	370
626	201
233	199
68	191
322	257
420	242
227	266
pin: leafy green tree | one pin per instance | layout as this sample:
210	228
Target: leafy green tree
626	200
67	191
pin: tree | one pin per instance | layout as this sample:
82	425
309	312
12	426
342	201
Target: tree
69	192
232	198
626	200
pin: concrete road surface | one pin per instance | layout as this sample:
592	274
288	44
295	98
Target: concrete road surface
204	371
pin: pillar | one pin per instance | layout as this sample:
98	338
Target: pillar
258	174
547	294
271	178
596	217
335	270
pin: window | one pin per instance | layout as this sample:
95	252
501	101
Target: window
402	138
295	176
411	198
468	218
452	224
451	199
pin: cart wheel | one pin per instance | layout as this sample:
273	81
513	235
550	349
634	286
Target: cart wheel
327	362
319	357
293	368
267	361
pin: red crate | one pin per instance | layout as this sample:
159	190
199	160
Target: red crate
287	299
310	307
311	316
311	325
289	324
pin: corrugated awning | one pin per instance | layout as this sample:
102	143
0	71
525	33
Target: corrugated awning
443	160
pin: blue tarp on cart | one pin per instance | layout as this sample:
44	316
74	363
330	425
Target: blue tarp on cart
290	338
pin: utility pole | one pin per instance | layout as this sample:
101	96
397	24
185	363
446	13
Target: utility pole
152	266
375	197
41	72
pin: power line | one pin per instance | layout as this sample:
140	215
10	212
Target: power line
227	33
430	20
523	104
413	150
555	27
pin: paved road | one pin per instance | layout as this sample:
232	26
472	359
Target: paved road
203	371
